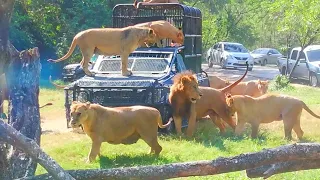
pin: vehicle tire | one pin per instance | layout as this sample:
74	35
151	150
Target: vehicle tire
264	62
250	69
283	71
210	63
222	64
313	80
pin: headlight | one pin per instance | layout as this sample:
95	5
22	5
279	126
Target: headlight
229	57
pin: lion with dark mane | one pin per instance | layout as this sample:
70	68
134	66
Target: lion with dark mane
193	102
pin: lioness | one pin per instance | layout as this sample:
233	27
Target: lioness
109	41
266	109
163	30
191	101
119	125
218	83
254	88
136	3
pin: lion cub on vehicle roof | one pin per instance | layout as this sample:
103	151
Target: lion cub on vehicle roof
268	108
119	125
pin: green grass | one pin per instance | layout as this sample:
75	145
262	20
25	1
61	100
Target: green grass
70	150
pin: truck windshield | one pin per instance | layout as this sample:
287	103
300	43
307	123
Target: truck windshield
313	55
235	48
150	65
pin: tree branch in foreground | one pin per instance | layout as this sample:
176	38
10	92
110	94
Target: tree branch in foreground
10	135
201	168
267	171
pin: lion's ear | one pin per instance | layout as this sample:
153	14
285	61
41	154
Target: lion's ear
259	81
75	102
229	99
88	104
151	31
185	79
180	34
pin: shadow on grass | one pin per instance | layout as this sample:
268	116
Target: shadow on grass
209	135
128	161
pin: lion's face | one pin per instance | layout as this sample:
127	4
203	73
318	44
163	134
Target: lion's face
78	113
263	86
187	83
180	37
230	103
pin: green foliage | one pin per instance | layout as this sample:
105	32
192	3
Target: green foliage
281	82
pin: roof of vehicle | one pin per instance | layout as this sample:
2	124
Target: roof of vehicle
308	48
264	48
159	50
231	43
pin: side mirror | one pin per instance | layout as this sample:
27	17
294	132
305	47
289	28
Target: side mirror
269	53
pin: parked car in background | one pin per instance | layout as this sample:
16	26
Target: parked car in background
72	72
231	55
265	56
208	57
308	68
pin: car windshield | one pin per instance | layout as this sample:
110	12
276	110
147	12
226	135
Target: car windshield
260	51
155	65
235	48
314	55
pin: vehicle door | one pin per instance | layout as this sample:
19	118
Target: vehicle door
214	53
292	61
219	53
302	69
272	56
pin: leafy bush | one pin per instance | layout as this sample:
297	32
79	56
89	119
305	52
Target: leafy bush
281	82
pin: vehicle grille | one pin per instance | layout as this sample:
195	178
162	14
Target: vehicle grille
240	58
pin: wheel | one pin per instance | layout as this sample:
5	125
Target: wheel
210	63
250	69
283	71
313	80
223	66
264	62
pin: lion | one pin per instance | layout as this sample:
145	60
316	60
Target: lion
164	30
136	3
254	88
266	109
119	125
193	102
109	41
218	83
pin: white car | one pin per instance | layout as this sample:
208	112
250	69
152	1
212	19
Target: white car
231	55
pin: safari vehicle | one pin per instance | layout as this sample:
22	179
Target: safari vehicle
153	68
308	67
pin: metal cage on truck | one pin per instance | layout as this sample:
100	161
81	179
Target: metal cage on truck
188	18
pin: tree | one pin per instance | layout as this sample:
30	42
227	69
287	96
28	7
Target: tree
299	18
22	71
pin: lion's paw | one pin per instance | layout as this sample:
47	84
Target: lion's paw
126	73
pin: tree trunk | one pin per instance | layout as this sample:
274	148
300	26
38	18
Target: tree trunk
16	139
6	8
285	153
267	171
23	89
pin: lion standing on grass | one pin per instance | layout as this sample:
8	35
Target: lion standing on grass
109	41
266	109
119	125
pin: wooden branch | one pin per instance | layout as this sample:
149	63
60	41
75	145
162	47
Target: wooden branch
10	135
267	171
201	168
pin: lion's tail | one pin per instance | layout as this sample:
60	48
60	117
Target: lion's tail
228	88
163	125
56	85
71	49
309	110
48	104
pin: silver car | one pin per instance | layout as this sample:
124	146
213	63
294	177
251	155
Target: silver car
265	56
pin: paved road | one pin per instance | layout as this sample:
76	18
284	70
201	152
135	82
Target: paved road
258	72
